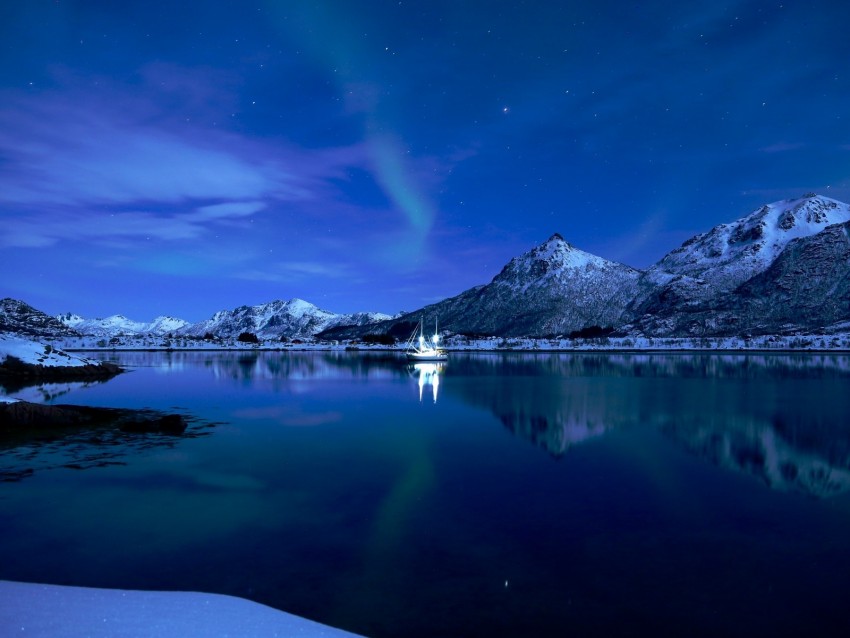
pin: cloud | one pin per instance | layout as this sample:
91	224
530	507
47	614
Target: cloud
74	149
128	162
32	232
129	167
228	209
296	270
101	226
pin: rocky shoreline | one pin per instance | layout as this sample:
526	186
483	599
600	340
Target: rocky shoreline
14	369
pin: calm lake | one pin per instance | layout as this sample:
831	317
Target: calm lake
500	495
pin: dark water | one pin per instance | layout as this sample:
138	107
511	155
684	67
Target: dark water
539	495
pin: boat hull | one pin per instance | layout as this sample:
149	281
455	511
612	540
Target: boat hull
426	356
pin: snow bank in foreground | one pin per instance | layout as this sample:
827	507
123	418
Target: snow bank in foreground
56	612
36	353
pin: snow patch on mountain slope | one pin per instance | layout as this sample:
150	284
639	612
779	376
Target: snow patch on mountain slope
730	254
165	324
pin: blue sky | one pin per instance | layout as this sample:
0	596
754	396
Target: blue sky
185	157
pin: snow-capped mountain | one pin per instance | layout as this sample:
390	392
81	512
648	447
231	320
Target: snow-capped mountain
782	268
21	318
293	318
785	267
717	262
554	288
730	254
119	325
807	286
805	289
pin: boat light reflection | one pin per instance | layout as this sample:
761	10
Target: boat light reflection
428	374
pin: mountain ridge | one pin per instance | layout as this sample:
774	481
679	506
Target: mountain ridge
294	318
783	267
116	325
555	288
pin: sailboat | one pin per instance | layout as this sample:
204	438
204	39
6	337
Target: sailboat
421	348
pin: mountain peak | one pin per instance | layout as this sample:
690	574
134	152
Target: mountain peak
296	302
558	254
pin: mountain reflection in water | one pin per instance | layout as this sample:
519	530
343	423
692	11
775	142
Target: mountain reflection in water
730	409
778	417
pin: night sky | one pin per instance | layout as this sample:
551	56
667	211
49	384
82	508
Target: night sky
185	157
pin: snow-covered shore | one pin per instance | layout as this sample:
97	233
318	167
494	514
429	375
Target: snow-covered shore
55	352
24	360
53	611
457	343
31	352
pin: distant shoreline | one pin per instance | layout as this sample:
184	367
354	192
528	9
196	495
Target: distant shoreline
450	351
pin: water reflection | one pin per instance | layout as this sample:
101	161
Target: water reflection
765	452
266	365
39	392
781	419
778	417
428	374
25	453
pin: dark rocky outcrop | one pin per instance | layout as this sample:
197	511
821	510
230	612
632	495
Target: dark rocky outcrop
25	418
12	366
22	319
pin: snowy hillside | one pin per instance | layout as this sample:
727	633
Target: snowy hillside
119	325
293	318
806	288
34	353
556	288
730	254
